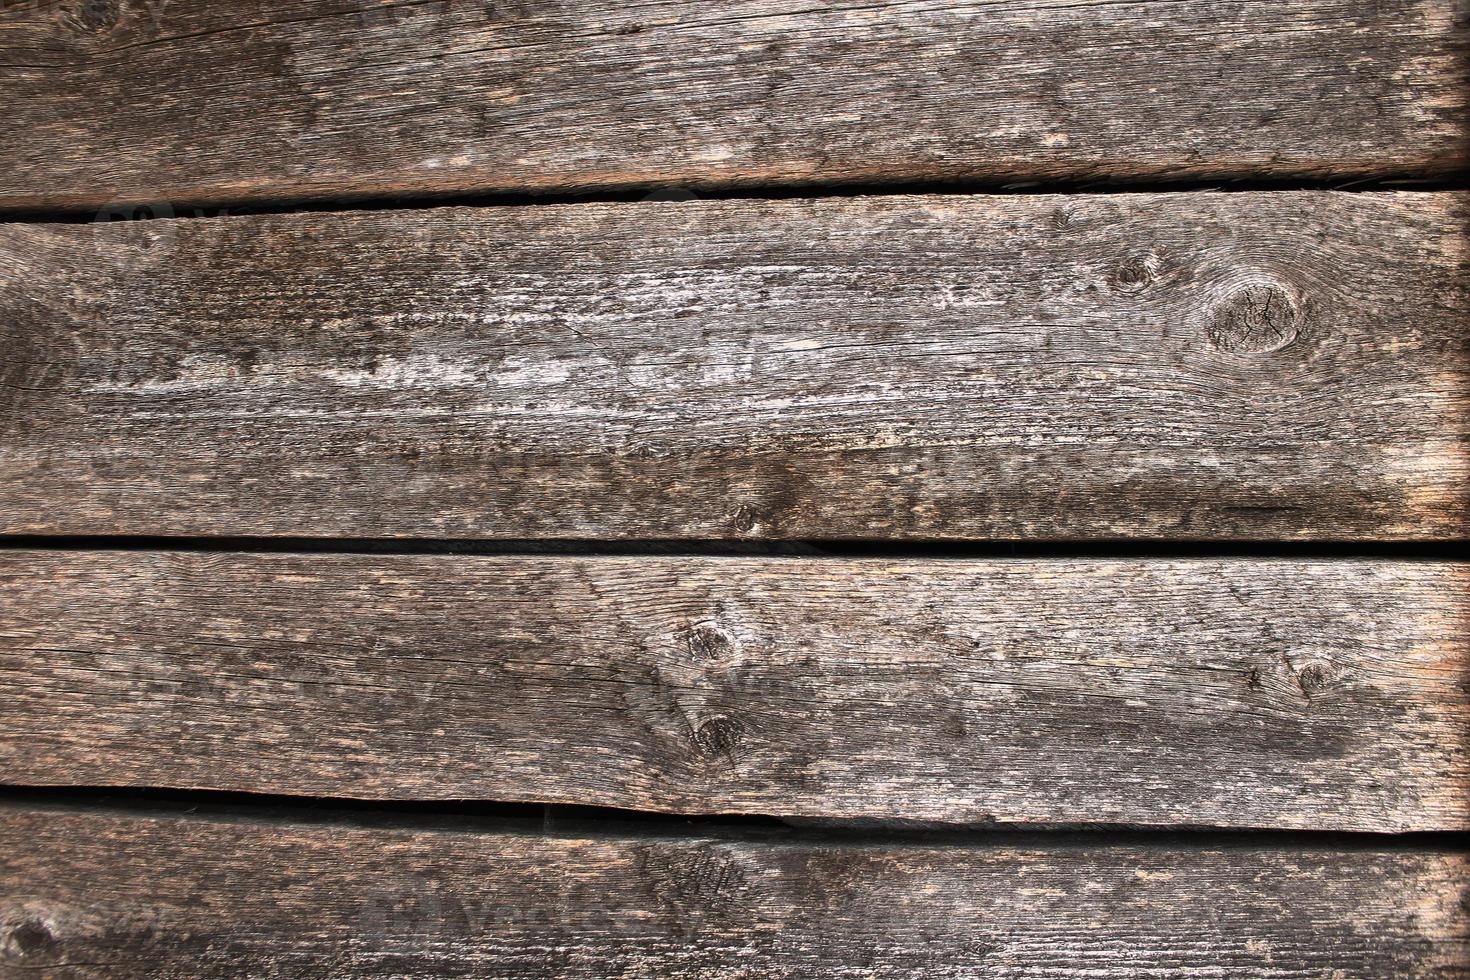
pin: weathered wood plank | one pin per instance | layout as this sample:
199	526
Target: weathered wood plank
97	894
188	101
1289	365
1243	693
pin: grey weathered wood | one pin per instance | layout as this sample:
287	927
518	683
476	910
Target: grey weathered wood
187	100
1245	693
105	895
1254	365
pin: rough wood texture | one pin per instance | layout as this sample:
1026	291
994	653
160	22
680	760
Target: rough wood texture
188	100
1289	365
105	895
1243	693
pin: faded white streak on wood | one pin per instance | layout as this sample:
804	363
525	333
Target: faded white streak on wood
1251	365
1245	693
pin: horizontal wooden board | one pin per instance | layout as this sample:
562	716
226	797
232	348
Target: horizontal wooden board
1252	365
185	101
1242	693
117	894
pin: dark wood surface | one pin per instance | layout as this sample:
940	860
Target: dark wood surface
106	895
1244	365
180	101
1263	365
1272	693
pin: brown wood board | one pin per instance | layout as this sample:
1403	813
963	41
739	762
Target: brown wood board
101	895
1172	366
177	102
1245	693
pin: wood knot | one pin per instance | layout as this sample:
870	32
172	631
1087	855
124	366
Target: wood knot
1256	318
718	738
1134	275
745	519
29	939
93	16
707	643
1311	679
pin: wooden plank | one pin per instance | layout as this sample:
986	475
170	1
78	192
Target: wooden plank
118	894
1251	365
187	101
1241	693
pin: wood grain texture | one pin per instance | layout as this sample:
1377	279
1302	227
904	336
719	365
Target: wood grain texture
1247	365
94	895
185	101
1242	693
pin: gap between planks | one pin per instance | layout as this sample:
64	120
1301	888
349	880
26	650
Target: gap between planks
152	208
833	550
563	818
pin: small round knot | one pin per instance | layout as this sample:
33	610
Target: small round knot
1311	678
1257	318
707	642
718	737
97	16
1136	274
745	519
28	940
